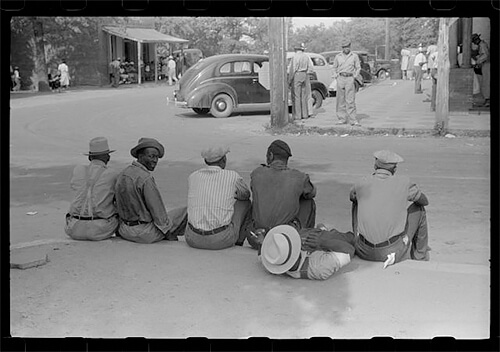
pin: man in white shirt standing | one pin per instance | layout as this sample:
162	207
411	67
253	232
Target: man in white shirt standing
420	60
218	204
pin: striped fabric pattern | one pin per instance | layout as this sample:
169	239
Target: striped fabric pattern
212	192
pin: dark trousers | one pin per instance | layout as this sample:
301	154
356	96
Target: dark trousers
416	247
305	219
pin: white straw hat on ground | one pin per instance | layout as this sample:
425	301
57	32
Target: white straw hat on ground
280	249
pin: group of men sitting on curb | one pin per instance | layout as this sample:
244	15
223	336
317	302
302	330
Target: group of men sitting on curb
276	214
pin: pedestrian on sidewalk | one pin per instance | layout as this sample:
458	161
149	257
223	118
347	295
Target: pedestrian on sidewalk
432	51
92	214
314	254
115	66
483	64
386	230
143	217
298	75
171	70
64	70
419	62
405	59
346	66
17	79
280	195
218	203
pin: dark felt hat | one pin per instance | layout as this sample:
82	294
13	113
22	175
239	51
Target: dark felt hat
278	147
147	143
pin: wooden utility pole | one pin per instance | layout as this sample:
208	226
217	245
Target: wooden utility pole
443	78
386	56
277	71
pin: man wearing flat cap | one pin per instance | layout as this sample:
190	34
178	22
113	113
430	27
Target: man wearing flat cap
346	67
387	229
143	217
92	214
280	195
298	74
218	202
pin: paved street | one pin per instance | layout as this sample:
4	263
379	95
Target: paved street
117	289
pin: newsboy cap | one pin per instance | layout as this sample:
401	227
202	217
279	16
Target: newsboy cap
148	143
387	157
214	154
280	147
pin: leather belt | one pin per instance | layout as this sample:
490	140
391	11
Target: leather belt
88	218
209	232
345	74
381	244
134	223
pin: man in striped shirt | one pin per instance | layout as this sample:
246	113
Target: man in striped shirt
218	203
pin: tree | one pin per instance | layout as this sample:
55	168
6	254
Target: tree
39	76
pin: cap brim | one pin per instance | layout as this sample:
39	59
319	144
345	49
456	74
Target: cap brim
296	242
100	153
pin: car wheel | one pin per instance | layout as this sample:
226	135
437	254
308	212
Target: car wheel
201	111
222	106
382	74
317	99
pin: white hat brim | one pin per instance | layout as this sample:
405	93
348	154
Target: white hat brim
296	242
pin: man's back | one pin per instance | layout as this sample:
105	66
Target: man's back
276	191
212	192
382	202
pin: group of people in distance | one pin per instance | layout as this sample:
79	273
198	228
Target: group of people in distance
276	214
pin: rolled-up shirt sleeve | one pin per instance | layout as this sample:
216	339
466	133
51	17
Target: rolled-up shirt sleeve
242	190
309	189
413	192
154	203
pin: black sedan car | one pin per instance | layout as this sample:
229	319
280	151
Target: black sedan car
219	84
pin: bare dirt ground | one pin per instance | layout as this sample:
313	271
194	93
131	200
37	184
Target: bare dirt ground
118	289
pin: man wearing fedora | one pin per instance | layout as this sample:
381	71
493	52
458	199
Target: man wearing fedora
298	74
143	217
482	63
92	214
280	195
218	202
284	250
346	67
387	229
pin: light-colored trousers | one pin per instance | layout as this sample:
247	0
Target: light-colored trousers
346	99
418	78
149	233
300	95
484	80
226	238
91	230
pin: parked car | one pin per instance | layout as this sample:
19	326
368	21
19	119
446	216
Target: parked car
323	71
219	84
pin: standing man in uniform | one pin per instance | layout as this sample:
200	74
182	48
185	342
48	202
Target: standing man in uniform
298	72
92	214
143	217
387	230
280	195
218	203
483	63
419	62
346	67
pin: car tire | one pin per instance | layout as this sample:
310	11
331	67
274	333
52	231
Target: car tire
222	106
317	99
201	111
382	74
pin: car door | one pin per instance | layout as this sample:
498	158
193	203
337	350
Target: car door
322	68
244	80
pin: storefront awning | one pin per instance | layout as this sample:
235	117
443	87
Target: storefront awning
142	35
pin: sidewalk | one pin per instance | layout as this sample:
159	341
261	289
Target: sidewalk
391	104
